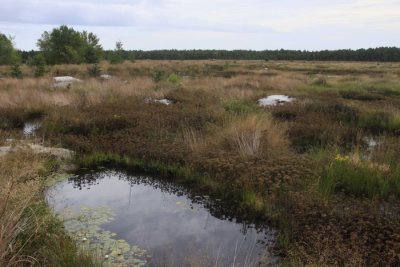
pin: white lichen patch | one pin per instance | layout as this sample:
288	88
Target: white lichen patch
163	101
274	100
64	81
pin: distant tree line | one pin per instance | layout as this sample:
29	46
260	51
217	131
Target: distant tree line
64	45
382	54
386	54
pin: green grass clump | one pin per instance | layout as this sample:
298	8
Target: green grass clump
376	121
359	180
249	198
239	106
47	241
379	121
394	122
384	88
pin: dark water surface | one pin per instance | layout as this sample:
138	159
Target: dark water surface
173	225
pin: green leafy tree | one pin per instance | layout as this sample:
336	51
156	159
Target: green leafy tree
8	55
92	51
64	45
117	55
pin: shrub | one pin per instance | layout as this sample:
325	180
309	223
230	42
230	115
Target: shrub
94	70
16	71
321	81
174	79
38	62
158	76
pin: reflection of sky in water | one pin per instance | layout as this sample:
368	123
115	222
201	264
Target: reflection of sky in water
30	128
167	225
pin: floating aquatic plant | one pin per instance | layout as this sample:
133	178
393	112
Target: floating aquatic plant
85	227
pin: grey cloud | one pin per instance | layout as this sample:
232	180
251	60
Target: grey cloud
257	24
73	13
145	15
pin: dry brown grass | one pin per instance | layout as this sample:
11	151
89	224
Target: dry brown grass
39	93
136	79
20	184
192	139
250	86
253	135
30	235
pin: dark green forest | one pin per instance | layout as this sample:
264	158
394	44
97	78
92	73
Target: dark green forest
383	54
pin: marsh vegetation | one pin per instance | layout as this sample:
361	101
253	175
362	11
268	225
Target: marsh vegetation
307	167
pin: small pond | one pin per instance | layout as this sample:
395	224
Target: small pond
135	220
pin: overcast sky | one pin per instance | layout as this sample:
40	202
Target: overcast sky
210	24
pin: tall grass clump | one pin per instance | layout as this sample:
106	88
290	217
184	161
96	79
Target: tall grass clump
19	187
256	135
192	138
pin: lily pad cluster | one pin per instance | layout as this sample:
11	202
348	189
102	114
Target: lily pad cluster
85	227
